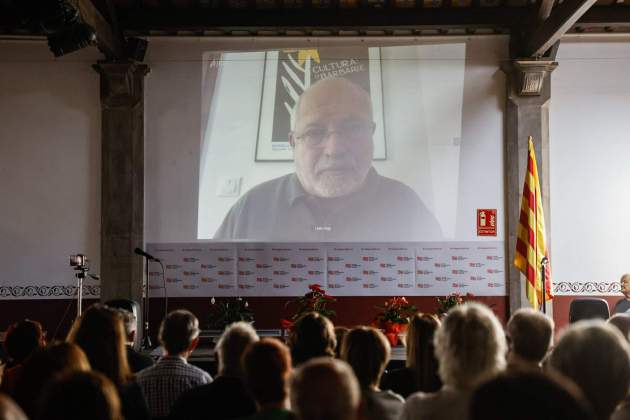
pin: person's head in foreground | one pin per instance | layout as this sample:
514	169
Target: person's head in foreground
470	346
230	348
312	335
44	365
325	389
596	357
10	410
22	339
367	351
622	323
528	395
421	351
179	333
100	333
529	334
81	396
267	365
332	138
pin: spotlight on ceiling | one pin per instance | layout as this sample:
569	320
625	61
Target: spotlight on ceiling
71	38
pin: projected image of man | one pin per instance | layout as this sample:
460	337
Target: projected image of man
335	193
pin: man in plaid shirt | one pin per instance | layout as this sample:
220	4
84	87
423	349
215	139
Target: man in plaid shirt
164	382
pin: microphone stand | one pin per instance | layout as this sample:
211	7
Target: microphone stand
146	340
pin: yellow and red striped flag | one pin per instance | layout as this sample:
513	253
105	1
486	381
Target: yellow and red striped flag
531	245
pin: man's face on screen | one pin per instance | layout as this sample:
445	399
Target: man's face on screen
333	138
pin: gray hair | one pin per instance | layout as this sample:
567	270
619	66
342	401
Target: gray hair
178	330
325	389
470	346
231	346
596	357
530	334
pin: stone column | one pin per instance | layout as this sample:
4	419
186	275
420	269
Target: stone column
122	178
527	114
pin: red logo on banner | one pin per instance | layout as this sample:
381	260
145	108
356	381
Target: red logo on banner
486	222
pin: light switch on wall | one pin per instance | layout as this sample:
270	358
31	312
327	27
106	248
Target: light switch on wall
229	186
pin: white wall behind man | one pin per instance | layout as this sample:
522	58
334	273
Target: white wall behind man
590	162
49	165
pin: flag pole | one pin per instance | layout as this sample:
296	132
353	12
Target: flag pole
543	267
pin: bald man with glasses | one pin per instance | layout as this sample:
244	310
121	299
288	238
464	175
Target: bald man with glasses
335	194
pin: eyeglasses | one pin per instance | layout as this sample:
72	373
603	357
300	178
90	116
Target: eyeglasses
315	136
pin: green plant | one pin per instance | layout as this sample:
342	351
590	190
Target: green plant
229	310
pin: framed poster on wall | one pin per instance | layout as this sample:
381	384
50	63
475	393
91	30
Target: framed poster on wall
288	73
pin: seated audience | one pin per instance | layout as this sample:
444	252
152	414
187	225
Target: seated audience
9	410
137	361
21	340
596	357
622	322
172	375
101	334
470	347
527	395
421	370
367	351
227	394
267	366
325	388
42	367
312	335
80	396
529	334
340	334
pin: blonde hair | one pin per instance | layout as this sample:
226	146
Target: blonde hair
470	346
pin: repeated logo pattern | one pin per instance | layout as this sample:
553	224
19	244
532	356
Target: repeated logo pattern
345	269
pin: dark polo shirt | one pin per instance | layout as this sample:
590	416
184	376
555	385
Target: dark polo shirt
383	209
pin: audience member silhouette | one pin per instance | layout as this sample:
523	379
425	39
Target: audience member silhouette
101	334
596	357
529	394
622	322
470	347
312	335
21	340
421	370
367	351
267	366
226	397
529	335
81	396
163	383
42	367
325	388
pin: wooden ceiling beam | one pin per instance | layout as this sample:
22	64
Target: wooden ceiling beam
109	41
547	33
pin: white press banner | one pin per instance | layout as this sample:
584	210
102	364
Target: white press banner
345	269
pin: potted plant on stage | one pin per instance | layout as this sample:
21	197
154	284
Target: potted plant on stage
394	318
228	311
446	303
315	300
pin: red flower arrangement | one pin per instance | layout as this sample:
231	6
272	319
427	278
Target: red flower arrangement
313	301
394	317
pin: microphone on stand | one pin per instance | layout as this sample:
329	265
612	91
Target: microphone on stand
139	251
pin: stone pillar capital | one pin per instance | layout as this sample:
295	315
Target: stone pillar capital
121	82
529	77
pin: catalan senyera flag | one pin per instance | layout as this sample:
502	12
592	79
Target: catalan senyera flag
531	245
